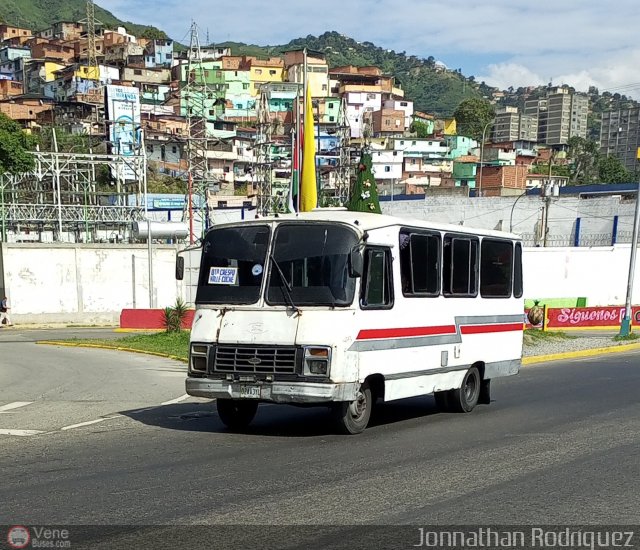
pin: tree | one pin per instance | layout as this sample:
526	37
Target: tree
611	170
153	33
15	145
585	156
364	196
420	128
472	116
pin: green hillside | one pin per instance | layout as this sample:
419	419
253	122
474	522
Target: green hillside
40	14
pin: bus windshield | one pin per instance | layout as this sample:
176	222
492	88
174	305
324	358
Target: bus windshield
233	263
314	260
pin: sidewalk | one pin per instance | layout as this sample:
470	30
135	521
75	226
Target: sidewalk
586	343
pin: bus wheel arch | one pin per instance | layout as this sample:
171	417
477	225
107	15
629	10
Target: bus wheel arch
377	384
352	417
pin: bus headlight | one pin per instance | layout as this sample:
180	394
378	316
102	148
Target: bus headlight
317	360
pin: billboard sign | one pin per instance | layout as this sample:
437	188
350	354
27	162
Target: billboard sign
123	116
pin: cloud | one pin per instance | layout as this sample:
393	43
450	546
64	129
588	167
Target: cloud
504	75
505	40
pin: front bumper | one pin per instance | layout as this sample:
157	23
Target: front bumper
277	392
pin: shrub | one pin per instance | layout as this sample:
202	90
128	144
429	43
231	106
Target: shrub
174	316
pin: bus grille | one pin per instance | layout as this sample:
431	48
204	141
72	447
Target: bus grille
280	360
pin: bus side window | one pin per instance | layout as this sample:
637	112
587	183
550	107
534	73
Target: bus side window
420	263
496	265
377	283
460	266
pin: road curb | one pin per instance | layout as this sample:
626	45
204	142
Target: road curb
577	354
139	330
116	348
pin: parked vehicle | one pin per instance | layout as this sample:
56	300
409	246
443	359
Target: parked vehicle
343	308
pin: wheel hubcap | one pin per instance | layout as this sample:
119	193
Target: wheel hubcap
358	406
470	388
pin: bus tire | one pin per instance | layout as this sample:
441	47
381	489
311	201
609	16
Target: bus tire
466	397
236	414
352	417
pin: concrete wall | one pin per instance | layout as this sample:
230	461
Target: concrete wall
525	216
597	273
86	284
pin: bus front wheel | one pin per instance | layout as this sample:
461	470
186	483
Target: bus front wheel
236	414
352	417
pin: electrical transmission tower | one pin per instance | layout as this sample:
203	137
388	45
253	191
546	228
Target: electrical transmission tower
195	93
263	164
92	54
343	171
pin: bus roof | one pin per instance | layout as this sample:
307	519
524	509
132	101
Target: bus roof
368	222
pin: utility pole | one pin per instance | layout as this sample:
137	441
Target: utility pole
479	184
547	203
625	326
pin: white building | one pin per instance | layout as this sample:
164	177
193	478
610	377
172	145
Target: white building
360	108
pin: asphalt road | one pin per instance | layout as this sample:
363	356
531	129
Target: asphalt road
559	444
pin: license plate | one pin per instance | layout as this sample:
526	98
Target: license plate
250	392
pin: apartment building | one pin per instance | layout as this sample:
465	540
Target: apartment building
620	136
561	115
511	125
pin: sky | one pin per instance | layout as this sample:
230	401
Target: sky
505	43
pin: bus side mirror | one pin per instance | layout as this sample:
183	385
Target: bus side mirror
355	263
179	268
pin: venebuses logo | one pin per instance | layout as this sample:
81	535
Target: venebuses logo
18	537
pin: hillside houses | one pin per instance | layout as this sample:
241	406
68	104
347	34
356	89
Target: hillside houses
46	79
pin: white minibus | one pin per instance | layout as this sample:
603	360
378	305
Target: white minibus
343	308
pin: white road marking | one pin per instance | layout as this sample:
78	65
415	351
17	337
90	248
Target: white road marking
20	433
89	422
15	405
176	400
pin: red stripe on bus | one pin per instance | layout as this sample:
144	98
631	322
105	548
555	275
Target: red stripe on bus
483	329
381	333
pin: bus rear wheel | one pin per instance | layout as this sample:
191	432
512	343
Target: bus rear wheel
466	397
352	417
236	414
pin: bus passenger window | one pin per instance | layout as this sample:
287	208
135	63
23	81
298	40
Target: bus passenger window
496	261
377	283
460	266
420	264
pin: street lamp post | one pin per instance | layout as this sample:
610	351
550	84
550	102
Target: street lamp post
625	326
484	131
512	208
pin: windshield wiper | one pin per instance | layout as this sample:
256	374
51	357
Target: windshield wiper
285	285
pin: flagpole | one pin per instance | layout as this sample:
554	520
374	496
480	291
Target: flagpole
304	95
297	151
